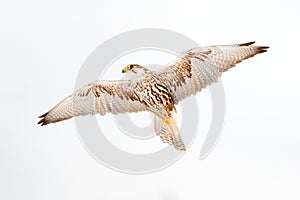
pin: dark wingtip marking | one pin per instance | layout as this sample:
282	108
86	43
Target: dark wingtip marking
44	115
247	44
261	49
43	121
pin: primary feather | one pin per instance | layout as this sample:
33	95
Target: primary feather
155	91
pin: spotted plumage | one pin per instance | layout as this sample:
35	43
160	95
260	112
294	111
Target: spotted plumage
155	91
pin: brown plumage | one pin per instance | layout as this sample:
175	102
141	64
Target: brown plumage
155	91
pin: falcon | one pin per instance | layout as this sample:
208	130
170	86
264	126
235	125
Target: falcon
155	91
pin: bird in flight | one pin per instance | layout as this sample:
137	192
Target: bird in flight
154	91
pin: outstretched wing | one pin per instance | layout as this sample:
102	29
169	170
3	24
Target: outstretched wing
197	68
98	97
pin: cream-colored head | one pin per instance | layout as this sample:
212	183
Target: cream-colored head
135	68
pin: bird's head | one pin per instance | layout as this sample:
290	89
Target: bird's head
135	68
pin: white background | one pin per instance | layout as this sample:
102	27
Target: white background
42	47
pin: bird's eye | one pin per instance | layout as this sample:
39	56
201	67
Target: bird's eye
131	66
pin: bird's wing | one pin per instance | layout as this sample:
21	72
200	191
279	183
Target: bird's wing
197	68
98	97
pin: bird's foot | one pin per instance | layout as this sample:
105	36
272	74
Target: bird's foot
166	121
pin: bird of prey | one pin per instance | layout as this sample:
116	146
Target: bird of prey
155	91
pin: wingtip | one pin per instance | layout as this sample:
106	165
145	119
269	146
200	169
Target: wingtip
43	121
262	49
44	115
247	44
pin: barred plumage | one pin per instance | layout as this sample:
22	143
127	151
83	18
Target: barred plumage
155	91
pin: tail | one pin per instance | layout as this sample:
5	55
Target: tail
169	132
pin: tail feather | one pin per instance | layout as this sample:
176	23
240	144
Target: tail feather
169	133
